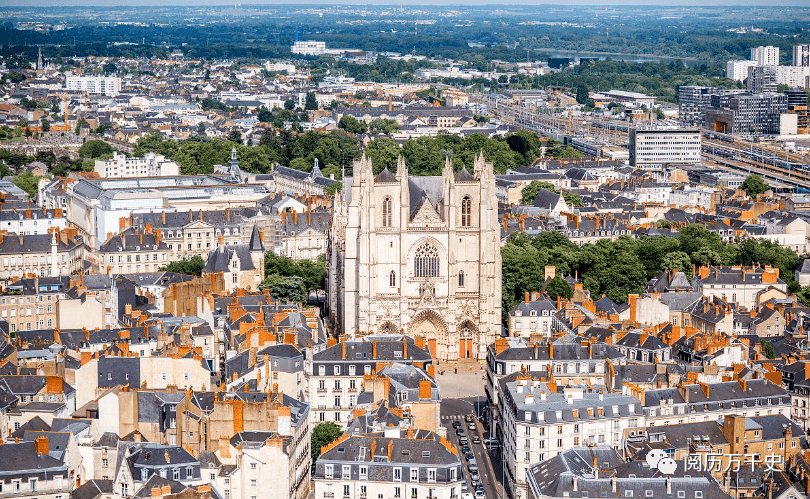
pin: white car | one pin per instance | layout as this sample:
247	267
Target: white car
466	495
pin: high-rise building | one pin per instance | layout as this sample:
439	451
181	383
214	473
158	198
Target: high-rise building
746	113
801	55
738	70
765	56
694	100
107	85
768	78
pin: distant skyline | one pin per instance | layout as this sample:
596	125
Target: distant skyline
182	3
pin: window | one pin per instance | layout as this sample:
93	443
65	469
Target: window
466	211
392	279
397	475
363	472
386	213
33	483
253	482
175	474
431	472
426	262
329	470
414	474
189	472
461	278
104	463
347	472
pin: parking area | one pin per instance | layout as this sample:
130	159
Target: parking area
455	417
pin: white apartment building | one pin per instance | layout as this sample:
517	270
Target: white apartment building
738	70
151	165
107	85
698	196
662	147
308	47
765	56
801	55
538	423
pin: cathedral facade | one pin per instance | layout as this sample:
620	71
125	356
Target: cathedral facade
420	255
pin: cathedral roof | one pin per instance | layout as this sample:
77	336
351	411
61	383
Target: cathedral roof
385	176
256	240
464	176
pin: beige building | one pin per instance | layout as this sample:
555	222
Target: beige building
150	165
133	251
419	254
59	253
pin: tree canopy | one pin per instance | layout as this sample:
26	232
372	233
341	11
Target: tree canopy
95	149
190	266
322	435
753	185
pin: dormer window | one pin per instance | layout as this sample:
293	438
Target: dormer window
533	313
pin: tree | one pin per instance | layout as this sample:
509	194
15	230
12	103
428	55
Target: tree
323	435
380	125
311	103
333	188
46	125
95	149
351	125
264	115
530	191
289	104
559	287
383	153
285	289
582	94
525	143
677	260
767	349
189	266
28	182
753	185
572	199
235	135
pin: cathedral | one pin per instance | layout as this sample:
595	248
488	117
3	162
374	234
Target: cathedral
419	255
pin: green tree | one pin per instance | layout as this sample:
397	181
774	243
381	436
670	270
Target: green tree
289	104
311	103
530	190
264	115
351	125
383	153
559	287
235	135
95	149
46	125
677	260
189	266
333	188
572	199
525	143
28	182
582	94
322	435
286	289
753	185
380	125
767	349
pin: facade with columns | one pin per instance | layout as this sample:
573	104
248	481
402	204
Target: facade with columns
419	255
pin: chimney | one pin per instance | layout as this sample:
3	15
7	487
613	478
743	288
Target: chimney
526	297
633	299
163	217
424	389
42	445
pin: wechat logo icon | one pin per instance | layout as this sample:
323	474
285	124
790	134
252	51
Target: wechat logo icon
657	459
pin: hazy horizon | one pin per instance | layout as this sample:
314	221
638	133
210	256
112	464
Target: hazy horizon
213	3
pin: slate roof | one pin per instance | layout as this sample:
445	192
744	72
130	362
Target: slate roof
92	489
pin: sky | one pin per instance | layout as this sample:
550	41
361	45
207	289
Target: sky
112	3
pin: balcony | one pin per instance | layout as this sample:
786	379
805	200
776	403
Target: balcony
329	494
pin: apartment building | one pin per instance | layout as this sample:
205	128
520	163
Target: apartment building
133	251
765	56
746	113
537	423
801	55
738	284
29	304
32	220
105	85
150	165
396	463
59	253
738	70
338	371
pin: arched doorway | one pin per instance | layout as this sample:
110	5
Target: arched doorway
429	324
467	335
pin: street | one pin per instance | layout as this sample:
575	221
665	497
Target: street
455	410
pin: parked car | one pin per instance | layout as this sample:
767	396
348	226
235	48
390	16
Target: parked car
469	456
475	483
459	431
456	424
479	494
474	475
465	449
463	440
464	486
471	426
491	441
476	439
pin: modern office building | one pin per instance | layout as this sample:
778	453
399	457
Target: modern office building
768	78
657	148
746	113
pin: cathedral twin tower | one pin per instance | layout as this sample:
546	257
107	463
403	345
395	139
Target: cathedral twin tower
418	254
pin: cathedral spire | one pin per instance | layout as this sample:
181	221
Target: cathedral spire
402	170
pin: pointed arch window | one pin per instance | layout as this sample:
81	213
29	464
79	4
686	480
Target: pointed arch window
426	262
392	279
466	211
387	210
461	279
